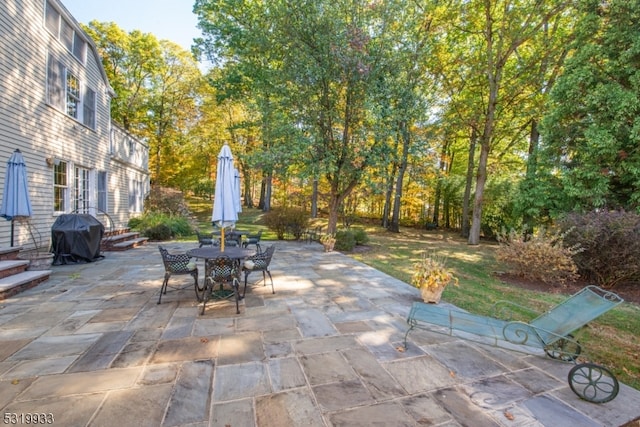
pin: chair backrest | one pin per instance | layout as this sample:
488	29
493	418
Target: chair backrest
222	268
176	263
269	253
575	312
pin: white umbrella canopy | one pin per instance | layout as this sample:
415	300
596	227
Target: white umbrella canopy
226	201
15	198
236	190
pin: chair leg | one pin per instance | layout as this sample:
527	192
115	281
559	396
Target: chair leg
246	275
205	297
236	291
273	290
163	289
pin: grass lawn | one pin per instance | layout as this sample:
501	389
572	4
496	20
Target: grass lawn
611	340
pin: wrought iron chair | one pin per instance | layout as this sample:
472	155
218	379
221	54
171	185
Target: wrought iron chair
259	262
233	239
178	264
205	240
220	271
253	239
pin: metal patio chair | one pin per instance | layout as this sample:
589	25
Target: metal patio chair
206	240
219	272
253	239
551	331
259	262
178	264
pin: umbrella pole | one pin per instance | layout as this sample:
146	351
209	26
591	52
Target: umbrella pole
11	233
221	240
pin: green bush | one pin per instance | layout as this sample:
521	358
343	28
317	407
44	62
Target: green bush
345	241
541	257
361	236
159	232
161	226
287	220
611	245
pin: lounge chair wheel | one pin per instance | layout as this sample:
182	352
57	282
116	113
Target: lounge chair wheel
593	383
567	350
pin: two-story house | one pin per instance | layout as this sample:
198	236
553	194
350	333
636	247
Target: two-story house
54	106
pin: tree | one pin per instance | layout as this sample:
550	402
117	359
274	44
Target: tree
592	132
495	32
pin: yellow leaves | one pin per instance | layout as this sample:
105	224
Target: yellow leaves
431	272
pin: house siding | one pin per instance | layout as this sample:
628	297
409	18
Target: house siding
41	131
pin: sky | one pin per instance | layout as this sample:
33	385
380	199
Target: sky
166	19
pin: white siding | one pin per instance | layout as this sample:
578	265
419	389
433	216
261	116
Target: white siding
41	131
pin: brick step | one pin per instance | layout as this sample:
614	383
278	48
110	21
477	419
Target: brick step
116	232
17	283
11	267
127	244
10	252
120	238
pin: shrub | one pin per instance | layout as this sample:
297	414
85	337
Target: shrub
166	200
361	236
159	232
161	226
345	240
287	220
541	256
611	243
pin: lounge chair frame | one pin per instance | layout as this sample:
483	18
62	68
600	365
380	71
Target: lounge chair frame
551	332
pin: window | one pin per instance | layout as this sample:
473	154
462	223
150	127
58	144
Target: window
63	31
73	95
89	108
102	191
82	190
60	187
136	196
66	93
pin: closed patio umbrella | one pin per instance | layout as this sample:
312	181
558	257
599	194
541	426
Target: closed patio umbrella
15	197
225	207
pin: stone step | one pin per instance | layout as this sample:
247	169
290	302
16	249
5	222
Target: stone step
116	232
120	238
128	244
10	252
11	267
17	283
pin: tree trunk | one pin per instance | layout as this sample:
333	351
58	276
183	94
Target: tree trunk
532	167
268	180
481	179
469	182
397	200
314	199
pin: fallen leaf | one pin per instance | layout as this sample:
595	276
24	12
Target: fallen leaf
508	415
15	382
452	374
204	340
400	349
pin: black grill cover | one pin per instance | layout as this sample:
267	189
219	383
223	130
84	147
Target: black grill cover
76	239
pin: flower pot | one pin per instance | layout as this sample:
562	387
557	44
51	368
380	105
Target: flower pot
432	295
328	246
37	261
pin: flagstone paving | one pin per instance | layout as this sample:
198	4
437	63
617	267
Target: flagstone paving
91	347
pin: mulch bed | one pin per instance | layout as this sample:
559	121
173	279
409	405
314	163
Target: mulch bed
630	292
